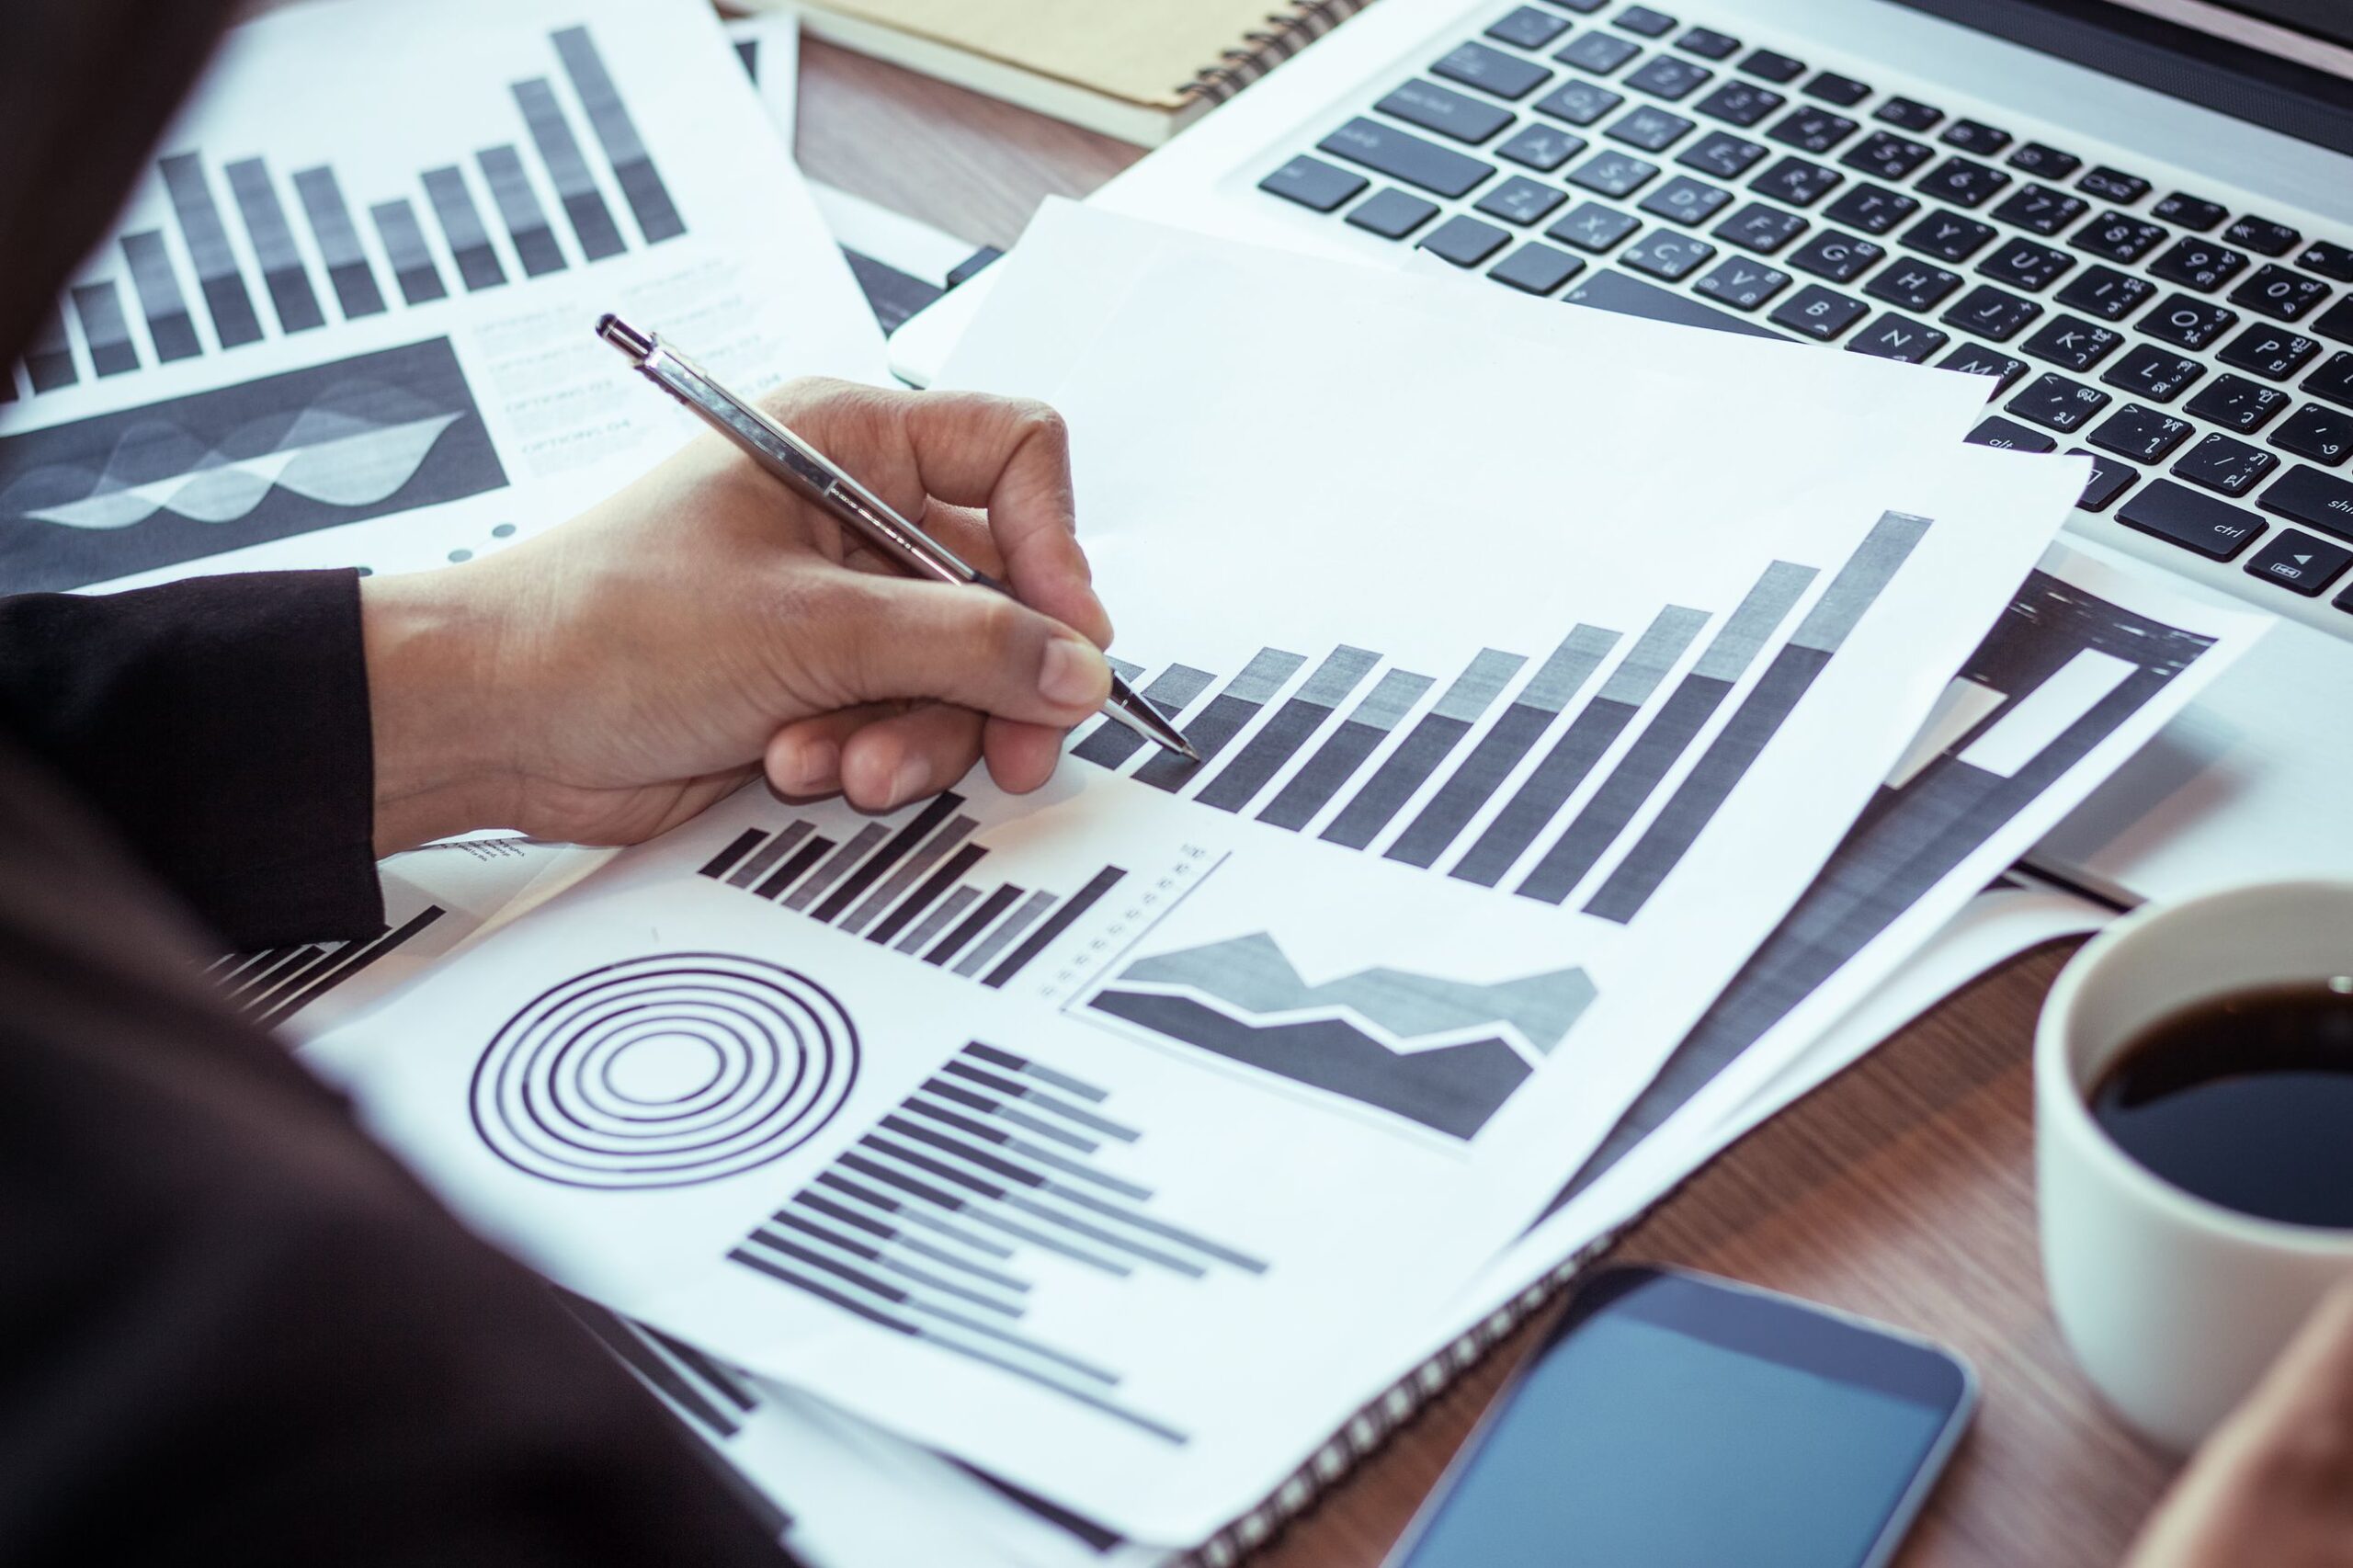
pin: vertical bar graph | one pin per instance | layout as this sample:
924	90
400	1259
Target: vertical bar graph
1669	732
169	326
1425	745
105	328
273	985
1335	762
1468	790
225	298
928	893
348	274
900	845
282	271
794	868
576	188
49	357
1029	912
969	929
951	908
835	867
405	248
1228	713
518	209
1113	743
462	225
1289	728
1061	920
755	867
633	170
918	865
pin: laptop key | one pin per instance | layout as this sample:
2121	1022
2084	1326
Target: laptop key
1403	156
1664	76
2200	264
1722	153
2263	236
1521	200
1797	182
1465	241
2324	435
1948	235
1874	209
2000	369
1741	103
1527	28
1963	182
1840	258
1914	285
1778	69
2041	209
2107	293
1990	312
1976	136
2315	499
1491	71
1891	337
2149	371
1708	44
1820	313
1667	255
2119	236
1761	228
1652	130
2114	184
2193	212
1467	119
1996	431
2328	259
2180	515
1686	201
2074	343
2226	464
2108	480
2055	402
2299	562
1541	147
1908	114
2236	404
1391	213
1643	20
1314	182
1613	174
2333	380
1582	7
1579	103
2270	352
1887	155
1598	52
1832	88
2025	265
2187	322
1590	226
2136	431
2044	161
2337	322
1811	129
1743	284
2280	293
1536	268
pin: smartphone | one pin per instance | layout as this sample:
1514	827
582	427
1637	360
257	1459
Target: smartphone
1676	1421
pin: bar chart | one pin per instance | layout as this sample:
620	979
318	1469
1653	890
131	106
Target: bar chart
910	882
947	1221
197	293
273	985
1474	776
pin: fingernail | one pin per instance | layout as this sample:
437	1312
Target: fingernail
910	778
1074	674
811	767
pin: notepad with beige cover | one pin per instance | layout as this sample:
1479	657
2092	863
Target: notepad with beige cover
1139	70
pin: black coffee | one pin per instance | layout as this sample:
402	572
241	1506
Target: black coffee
2246	1100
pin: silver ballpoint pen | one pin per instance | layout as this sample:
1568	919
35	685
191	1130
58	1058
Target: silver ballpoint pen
808	472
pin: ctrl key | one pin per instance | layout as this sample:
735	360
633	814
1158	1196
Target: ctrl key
2179	515
2301	563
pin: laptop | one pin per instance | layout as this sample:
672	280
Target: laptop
2132	218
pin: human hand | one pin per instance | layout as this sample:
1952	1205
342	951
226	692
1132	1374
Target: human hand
2273	1486
615	675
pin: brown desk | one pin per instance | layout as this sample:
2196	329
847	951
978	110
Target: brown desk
1904	1190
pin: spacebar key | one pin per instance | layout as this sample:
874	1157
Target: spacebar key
2186	519
1401	155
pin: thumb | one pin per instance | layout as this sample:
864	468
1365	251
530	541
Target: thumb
895	639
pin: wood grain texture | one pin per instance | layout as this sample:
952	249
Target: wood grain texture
1902	1191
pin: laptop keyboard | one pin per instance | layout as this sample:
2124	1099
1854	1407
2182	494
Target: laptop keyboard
1619	156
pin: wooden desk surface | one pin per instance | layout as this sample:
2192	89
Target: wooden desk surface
1904	1190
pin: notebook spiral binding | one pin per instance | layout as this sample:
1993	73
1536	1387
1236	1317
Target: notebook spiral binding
1287	32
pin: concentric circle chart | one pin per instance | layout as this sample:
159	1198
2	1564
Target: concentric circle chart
666	1071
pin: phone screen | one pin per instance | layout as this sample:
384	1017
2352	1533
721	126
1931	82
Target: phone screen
1633	1441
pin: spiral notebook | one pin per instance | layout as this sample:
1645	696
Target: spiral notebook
1139	70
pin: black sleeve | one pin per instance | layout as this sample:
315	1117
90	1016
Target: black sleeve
221	728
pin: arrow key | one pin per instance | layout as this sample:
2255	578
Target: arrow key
2300	563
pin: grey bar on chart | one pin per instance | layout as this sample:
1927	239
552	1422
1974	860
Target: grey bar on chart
1670	733
837	867
469	246
894	849
1293	724
1425	746
1113	743
49	357
234	321
1595	729
338	239
757	864
1469	788
169	326
773	885
1032	910
592	221
1228	713
648	198
273	240
926	892
974	923
1336	761
405	247
1760	717
105	328
912	870
1063	918
949	908
519	207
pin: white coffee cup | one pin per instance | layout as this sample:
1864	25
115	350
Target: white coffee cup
2171	1303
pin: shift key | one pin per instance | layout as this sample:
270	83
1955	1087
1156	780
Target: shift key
1401	154
2213	528
2315	499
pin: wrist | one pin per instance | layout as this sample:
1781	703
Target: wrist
432	690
